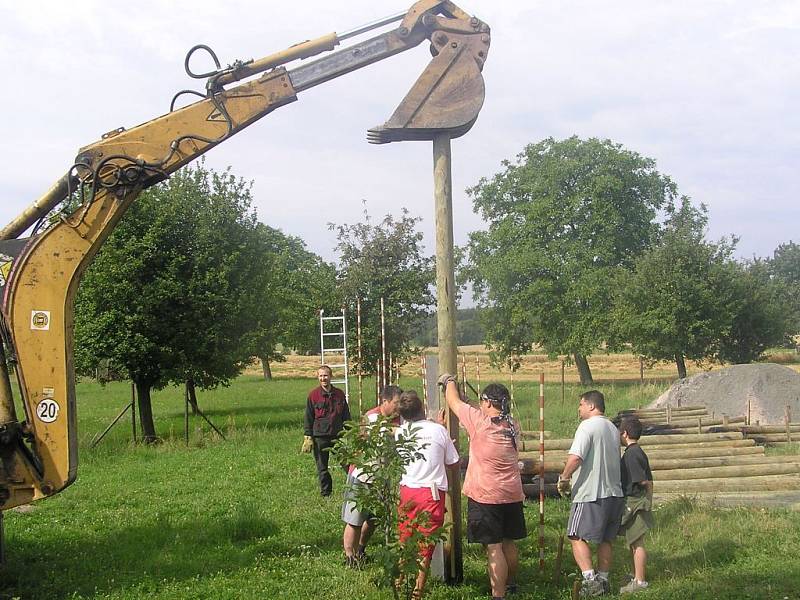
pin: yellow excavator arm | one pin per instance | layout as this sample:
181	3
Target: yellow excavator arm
39	275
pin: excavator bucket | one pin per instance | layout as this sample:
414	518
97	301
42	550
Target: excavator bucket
446	98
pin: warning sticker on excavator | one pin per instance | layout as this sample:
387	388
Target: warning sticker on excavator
5	268
40	320
47	410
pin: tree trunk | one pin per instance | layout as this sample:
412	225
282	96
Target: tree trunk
191	395
266	368
681	366
145	412
584	371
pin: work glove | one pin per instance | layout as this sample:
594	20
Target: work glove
564	487
308	444
444	378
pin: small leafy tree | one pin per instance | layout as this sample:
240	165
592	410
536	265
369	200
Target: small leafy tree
382	459
385	260
675	302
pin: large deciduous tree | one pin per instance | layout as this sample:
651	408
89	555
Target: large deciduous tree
384	260
167	297
562	219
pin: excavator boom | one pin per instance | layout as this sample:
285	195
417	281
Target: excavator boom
39	276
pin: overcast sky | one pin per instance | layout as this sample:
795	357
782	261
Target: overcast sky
709	89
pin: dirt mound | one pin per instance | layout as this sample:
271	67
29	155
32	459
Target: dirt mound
768	387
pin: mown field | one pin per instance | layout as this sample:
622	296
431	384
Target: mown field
242	518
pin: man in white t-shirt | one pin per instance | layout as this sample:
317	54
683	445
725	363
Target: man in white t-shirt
592	471
424	482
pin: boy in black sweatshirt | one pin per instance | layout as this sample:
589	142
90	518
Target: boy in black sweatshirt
637	485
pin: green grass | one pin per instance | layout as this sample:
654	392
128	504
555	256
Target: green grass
242	518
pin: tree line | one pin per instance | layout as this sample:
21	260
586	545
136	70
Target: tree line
586	246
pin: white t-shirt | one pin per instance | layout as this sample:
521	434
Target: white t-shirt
597	443
440	451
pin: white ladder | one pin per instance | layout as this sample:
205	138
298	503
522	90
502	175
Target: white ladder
336	335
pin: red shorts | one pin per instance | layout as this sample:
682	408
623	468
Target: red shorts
414	501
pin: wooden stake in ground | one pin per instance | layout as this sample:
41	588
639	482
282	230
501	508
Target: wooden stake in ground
559	557
478	371
446	328
541	473
563	385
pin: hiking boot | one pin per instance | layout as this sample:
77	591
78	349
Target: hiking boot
591	588
633	586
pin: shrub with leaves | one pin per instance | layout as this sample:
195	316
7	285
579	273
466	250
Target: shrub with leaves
382	459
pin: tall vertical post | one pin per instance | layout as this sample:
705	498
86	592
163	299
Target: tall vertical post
384	379
424	375
446	327
478	371
360	360
541	472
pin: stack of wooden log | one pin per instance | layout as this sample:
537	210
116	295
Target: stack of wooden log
690	451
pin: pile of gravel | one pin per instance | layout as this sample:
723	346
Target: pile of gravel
768	387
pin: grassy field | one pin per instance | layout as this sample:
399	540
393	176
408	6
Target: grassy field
242	518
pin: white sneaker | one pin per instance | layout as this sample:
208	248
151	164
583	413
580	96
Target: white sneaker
633	586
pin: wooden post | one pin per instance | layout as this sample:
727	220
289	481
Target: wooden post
464	375
563	385
478	371
360	365
641	370
511	390
787	417
541	473
378	382
748	411
669	414
383	347
424	382
446	328
559	557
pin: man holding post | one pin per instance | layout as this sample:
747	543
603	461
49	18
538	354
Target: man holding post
493	485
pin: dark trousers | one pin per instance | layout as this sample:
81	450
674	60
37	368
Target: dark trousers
322	446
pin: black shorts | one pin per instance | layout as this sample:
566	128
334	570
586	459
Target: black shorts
493	523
